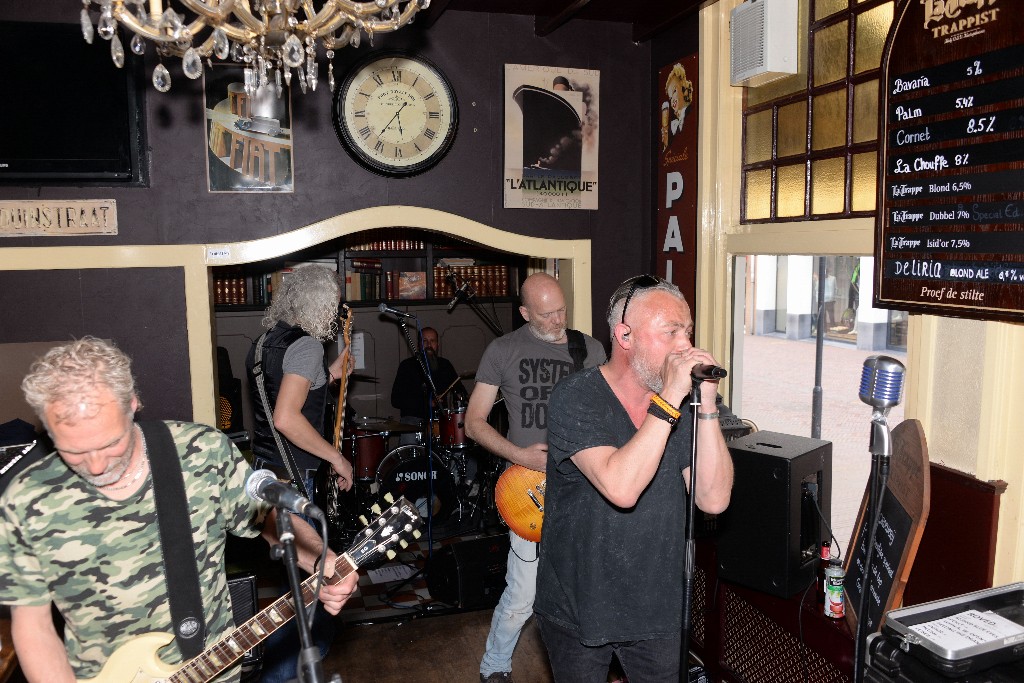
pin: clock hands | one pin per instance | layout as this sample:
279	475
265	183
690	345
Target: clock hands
396	116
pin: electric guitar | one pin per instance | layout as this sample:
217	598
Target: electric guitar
137	661
519	495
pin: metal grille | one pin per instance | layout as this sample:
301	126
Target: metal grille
699	608
757	650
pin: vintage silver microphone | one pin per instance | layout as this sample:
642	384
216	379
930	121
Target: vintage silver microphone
881	387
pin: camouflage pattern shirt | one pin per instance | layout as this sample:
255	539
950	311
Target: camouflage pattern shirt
99	561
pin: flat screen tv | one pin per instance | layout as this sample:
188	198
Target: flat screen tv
69	115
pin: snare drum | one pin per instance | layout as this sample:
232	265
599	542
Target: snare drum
364	449
453	428
404	472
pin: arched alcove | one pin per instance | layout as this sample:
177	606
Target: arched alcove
573	257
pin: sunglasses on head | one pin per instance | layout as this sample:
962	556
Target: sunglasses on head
638	282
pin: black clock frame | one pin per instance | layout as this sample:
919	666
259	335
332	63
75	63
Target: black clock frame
349	142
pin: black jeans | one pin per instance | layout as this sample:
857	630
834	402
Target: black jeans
643	661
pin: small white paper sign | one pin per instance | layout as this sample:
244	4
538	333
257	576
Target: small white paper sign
390	572
968	629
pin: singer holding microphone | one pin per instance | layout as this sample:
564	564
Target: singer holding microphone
612	552
80	527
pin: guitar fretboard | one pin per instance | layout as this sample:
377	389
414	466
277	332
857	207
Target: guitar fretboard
233	646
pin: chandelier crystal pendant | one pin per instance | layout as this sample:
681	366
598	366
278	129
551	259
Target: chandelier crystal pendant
268	36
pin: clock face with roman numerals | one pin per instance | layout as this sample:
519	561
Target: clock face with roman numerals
395	113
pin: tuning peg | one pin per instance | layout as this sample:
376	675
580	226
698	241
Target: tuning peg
375	509
391	554
403	543
363	520
389	498
416	534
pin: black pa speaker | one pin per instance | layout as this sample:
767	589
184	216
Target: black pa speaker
769	538
242	588
469	574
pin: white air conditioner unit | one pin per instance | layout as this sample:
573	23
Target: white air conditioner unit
762	41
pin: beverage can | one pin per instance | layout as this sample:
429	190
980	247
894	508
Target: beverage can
834	600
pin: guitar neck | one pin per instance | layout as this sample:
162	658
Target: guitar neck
234	645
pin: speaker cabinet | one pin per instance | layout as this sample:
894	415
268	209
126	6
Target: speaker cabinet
769	538
242	588
469	574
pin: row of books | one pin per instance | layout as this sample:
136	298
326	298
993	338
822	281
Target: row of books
488	280
391	239
232	287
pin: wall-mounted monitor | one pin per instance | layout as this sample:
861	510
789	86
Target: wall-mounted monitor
69	116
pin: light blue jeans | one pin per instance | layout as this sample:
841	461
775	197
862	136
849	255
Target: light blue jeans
514	608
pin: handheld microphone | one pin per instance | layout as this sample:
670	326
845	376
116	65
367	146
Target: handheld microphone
384	308
263	485
702	372
459	293
881	382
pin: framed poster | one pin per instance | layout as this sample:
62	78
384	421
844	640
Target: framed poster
248	133
675	239
551	131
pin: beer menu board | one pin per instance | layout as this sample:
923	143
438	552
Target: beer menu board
949	235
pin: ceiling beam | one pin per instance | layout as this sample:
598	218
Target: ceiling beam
430	15
544	25
644	30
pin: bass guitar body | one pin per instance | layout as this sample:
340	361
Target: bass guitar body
519	496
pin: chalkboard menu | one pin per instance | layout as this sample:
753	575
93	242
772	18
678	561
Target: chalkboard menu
891	537
949	235
898	534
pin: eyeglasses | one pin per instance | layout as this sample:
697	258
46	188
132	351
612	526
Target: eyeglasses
638	282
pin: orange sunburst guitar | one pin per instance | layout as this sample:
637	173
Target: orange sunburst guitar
519	495
137	660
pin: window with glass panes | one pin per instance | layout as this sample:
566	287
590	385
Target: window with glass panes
810	140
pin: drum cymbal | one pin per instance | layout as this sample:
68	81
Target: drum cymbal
381	424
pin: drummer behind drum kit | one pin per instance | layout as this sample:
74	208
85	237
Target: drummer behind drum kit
432	473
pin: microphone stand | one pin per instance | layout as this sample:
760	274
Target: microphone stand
491	322
420	356
881	449
689	558
310	667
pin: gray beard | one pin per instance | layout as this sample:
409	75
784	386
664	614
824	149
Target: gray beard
648	376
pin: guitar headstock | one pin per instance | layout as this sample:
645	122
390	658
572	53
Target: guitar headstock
346	316
396	525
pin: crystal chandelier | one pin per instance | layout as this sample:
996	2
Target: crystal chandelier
270	37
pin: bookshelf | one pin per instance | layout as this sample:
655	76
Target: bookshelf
399	264
386	264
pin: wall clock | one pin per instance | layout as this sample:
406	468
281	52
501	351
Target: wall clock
395	113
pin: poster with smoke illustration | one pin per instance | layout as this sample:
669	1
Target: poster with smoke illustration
551	116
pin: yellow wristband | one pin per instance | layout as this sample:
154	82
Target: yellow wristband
670	409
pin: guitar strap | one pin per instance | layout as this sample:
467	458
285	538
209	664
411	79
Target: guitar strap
577	348
176	540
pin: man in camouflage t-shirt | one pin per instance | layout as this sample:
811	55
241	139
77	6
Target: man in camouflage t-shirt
79	528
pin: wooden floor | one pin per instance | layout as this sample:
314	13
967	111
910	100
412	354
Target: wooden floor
435	649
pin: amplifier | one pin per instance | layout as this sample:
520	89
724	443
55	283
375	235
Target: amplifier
469	574
769	537
242	588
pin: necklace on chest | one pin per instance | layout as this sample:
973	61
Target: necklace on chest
140	469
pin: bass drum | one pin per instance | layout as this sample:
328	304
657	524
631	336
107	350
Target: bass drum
404	472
